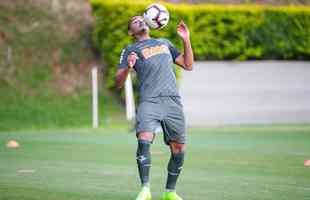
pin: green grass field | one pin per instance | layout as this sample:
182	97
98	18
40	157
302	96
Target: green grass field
247	162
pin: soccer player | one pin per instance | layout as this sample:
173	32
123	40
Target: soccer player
160	102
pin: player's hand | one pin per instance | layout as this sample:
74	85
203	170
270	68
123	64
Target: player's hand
132	59
182	30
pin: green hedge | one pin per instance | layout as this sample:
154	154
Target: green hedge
218	32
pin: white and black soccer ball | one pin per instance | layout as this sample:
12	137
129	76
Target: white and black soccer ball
156	16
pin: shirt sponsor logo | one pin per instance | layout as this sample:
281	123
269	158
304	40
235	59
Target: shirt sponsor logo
155	50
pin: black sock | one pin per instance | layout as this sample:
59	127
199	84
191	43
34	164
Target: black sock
174	169
144	161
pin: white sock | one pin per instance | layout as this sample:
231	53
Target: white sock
169	190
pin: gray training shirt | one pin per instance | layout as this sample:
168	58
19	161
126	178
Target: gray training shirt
155	67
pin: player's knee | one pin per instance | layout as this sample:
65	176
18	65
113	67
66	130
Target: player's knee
177	147
147	136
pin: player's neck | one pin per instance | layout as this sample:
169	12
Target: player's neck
142	37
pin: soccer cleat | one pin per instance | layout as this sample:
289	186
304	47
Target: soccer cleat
144	194
171	196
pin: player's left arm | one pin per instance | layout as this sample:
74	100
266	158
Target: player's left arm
186	59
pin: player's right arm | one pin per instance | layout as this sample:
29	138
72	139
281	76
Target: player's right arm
127	62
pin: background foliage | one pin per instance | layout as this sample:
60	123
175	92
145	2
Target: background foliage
218	32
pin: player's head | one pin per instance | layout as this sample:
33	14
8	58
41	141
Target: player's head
137	26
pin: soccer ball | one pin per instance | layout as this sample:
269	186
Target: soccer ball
156	16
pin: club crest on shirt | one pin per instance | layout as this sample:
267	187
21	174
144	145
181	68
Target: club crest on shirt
154	50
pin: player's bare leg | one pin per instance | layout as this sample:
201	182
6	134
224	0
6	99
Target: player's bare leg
144	163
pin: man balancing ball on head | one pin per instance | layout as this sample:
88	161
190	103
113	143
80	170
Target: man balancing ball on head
160	102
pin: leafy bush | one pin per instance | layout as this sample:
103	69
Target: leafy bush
218	32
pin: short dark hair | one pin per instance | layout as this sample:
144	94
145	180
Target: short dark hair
129	23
